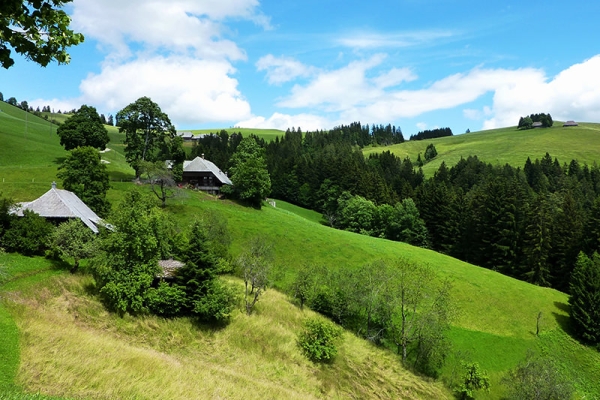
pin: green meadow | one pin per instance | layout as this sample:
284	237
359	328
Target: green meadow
58	340
506	146
266	134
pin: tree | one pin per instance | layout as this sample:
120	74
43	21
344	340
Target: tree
72	239
84	128
249	174
160	179
584	300
537	378
128	264
111	120
28	234
83	173
38	29
474	379
1	97
303	284
430	152
145	127
254	265
420	315
12	101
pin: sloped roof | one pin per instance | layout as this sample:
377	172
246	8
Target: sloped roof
58	203
570	123
169	267
200	164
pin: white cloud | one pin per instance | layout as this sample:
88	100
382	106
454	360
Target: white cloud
573	94
421	126
174	25
188	90
283	69
308	122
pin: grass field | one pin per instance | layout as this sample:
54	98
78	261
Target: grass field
61	327
507	146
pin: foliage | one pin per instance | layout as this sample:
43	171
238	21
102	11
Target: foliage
126	268
146	128
537	378
318	340
474	379
432	134
303	284
165	300
249	174
527	122
430	152
72	239
39	30
84	128
217	304
28	234
585	298
254	265
83	173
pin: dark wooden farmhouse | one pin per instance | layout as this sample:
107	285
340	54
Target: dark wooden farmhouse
570	123
204	175
57	205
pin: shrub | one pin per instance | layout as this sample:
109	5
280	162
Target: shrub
28	235
165	300
318	340
217	304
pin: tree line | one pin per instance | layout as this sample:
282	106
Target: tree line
432	134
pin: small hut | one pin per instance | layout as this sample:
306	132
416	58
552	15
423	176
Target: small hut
570	123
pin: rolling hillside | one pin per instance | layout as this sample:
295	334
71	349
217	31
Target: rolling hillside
506	145
495	324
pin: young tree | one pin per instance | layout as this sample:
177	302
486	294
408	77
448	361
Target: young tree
474	379
84	128
318	340
420	315
254	265
145	127
160	179
303	284
39	30
249	174
83	173
584	300
72	239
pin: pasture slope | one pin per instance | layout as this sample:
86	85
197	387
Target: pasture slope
67	339
506	146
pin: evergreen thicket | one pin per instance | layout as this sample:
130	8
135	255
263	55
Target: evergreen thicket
432	134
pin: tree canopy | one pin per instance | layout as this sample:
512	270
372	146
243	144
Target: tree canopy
37	29
83	173
146	127
249	174
84	128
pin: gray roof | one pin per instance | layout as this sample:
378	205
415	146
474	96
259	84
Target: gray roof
200	164
58	203
185	135
570	123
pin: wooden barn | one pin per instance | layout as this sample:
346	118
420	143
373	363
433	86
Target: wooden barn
204	175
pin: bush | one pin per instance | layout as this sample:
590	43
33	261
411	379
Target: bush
318	340
166	300
28	235
217	304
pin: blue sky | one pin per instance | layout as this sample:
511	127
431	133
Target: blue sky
417	64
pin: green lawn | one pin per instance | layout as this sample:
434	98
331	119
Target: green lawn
507	146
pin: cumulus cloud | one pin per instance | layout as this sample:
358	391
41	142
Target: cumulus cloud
174	25
572	94
188	90
308	122
283	69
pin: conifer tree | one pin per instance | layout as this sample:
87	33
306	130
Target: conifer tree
585	298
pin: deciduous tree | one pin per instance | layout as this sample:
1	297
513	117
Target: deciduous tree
145	127
37	29
255	265
83	173
72	239
84	128
249	175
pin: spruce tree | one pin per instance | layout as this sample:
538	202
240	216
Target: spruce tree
585	298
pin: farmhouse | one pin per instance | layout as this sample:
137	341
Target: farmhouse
570	123
57	205
168	270
537	125
204	175
186	136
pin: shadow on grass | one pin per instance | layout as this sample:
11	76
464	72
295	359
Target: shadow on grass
59	160
120	176
563	321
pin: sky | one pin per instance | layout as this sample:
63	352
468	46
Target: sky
415	64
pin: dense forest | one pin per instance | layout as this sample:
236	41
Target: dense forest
529	223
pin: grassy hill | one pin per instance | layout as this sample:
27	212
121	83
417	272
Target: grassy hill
267	134
64	333
507	145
